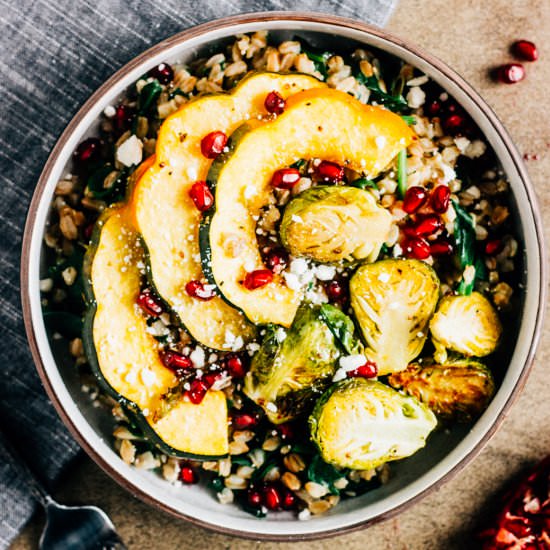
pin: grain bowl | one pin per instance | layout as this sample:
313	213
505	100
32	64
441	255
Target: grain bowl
402	322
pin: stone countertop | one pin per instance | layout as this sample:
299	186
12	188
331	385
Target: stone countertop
471	37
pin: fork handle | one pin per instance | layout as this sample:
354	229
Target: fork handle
37	489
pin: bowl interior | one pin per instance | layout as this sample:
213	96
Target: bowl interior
446	449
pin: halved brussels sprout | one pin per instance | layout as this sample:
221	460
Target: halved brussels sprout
466	324
459	389
330	224
361	424
393	301
291	367
342	327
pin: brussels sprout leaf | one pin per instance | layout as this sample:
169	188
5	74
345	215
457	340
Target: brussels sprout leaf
364	183
402	172
342	327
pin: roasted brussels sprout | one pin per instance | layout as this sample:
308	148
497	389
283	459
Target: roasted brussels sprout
361	424
393	301
329	224
290	368
466	324
458	390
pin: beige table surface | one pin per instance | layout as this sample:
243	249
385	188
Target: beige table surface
471	39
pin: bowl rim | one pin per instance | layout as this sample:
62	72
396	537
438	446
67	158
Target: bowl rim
290	17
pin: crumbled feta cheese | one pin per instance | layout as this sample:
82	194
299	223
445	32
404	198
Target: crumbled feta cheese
325	272
352	362
212	358
292	281
192	173
249	265
380	141
462	143
198	357
46	285
109	111
130	152
237	344
253	347
280	334
340	374
296	219
475	149
249	191
148	377
469	274
416	97
304	514
384	277
298	266
271	406
418	81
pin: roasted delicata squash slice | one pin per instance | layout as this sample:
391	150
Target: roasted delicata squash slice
393	301
320	123
166	216
124	356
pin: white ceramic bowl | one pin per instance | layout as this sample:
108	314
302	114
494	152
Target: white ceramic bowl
445	454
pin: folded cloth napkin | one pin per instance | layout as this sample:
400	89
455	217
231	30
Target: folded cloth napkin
54	55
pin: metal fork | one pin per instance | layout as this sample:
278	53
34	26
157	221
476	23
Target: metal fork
67	527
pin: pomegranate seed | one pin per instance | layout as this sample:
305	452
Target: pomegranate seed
274	103
87	150
433	108
493	247
335	291
428	225
175	361
88	230
258	278
123	118
254	498
454	124
213	144
414	198
196	289
271	497
289	500
525	50
201	195
417	248
163	73
188	475
277	260
368	370
511	73
285	178
441	247
149	303
235	366
286	431
440	199
197	391
330	171
242	421
210	377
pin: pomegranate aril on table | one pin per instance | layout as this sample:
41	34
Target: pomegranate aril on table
213	144
526	50
511	73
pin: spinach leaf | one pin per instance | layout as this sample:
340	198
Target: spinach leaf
409	119
342	327
319	59
325	474
115	192
271	461
465	239
148	96
402	172
395	103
